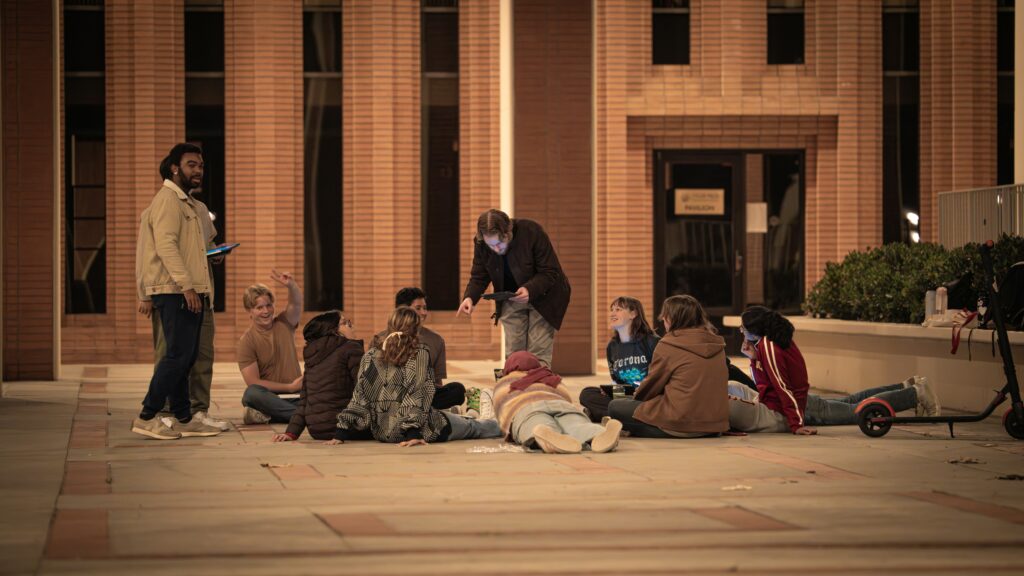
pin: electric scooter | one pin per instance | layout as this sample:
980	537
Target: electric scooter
876	416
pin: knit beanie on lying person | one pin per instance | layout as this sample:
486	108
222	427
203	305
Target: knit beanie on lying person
523	361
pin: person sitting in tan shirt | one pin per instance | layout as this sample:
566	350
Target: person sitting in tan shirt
267	357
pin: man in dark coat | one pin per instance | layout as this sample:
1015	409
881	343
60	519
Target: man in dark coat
516	256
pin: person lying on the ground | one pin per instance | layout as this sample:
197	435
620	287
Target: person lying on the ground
684	393
332	356
266	353
782	402
394	391
535	409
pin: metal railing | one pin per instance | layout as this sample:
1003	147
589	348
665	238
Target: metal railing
980	214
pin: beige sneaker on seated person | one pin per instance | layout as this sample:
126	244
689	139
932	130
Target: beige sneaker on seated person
927	399
194	427
154	428
254	416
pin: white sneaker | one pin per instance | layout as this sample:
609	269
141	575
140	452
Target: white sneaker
927	400
486	405
254	416
194	427
205	418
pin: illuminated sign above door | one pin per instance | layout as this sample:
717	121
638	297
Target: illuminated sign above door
700	202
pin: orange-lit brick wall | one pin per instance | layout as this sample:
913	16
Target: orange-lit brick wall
145	117
726	98
553	152
29	349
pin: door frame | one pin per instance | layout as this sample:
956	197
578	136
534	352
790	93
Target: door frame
737	158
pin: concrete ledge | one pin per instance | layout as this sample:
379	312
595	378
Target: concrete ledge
848	356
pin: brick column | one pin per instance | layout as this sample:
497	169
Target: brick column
553	55
958	101
263	89
854	215
479	166
145	84
381	136
624	204
29	347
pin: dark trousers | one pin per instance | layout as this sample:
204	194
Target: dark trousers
596	402
622	409
169	384
451	394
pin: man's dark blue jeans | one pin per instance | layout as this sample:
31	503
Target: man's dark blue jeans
170	377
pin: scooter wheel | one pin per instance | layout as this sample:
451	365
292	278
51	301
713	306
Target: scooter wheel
867	419
1013	426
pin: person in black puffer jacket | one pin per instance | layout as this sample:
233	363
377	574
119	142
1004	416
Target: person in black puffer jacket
332	355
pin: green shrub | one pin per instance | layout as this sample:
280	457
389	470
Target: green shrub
888	283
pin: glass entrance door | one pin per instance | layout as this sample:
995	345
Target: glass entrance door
699	242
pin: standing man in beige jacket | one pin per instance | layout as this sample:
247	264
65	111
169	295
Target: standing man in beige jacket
172	273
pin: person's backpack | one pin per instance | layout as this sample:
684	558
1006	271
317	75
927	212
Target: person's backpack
1011	297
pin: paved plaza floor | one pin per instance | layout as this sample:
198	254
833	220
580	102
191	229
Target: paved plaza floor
82	494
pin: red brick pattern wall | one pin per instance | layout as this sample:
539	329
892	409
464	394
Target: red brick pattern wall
553	152
28	201
479	165
145	87
381	127
730	98
263	91
264	152
958	101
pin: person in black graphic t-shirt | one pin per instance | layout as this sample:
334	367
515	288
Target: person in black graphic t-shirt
629	353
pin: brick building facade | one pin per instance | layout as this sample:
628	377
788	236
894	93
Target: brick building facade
596	127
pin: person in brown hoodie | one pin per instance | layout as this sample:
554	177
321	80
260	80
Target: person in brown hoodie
332	355
684	393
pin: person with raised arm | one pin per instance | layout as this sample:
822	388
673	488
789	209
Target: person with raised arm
266	352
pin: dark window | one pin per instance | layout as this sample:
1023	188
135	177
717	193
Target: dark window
85	190
204	116
670	32
439	150
901	46
1004	36
322	216
784	242
785	32
1005	80
901	120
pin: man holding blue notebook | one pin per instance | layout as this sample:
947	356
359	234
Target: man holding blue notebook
174	282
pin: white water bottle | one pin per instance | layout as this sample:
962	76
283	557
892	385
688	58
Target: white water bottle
941	300
929	304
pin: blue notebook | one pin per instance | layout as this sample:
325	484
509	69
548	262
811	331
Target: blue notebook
222	249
